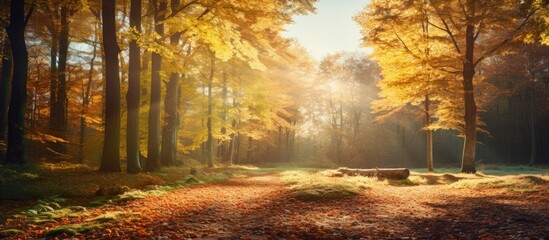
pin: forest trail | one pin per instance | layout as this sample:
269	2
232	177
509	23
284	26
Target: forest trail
261	206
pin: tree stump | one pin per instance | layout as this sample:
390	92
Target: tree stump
380	173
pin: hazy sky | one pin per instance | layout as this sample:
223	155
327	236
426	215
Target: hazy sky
331	29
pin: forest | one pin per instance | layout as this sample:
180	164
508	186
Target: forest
178	119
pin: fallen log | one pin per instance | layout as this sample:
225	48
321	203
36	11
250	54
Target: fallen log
380	173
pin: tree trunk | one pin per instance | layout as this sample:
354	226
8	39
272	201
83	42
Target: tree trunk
110	161
429	134
381	173
237	149
61	103
209	143
224	95
279	146
230	154
202	122
171	120
340	135
5	77
250	149
171	107
86	103
54	50
532	128
133	97
153	150
16	152
510	115
470	139
58	81
291	148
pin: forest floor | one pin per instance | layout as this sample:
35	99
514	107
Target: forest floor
298	205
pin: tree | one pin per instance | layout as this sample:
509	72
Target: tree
5	78
476	18
171	104
16	152
475	30
409	54
110	161
153	148
209	143
133	97
59	14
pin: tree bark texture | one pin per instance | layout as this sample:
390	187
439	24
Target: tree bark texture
209	143
5	88
86	103
133	97
16	152
110	161
223	145
429	134
171	107
470	139
153	148
54	50
171	120
61	98
532	127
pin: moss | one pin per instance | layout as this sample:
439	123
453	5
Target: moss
9	232
99	202
114	216
41	220
405	182
318	185
107	217
418	178
137	194
520	183
192	180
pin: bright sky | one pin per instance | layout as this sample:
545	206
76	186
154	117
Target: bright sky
331	29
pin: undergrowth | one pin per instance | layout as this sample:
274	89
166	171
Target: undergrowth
311	184
31	186
317	185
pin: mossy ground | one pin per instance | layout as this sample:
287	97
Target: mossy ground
314	184
23	187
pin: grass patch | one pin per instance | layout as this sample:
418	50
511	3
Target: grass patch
405	182
507	178
511	170
38	181
83	185
518	183
50	210
137	194
318	185
114	216
424	178
93	223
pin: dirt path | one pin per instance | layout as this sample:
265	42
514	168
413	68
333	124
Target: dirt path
261	207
